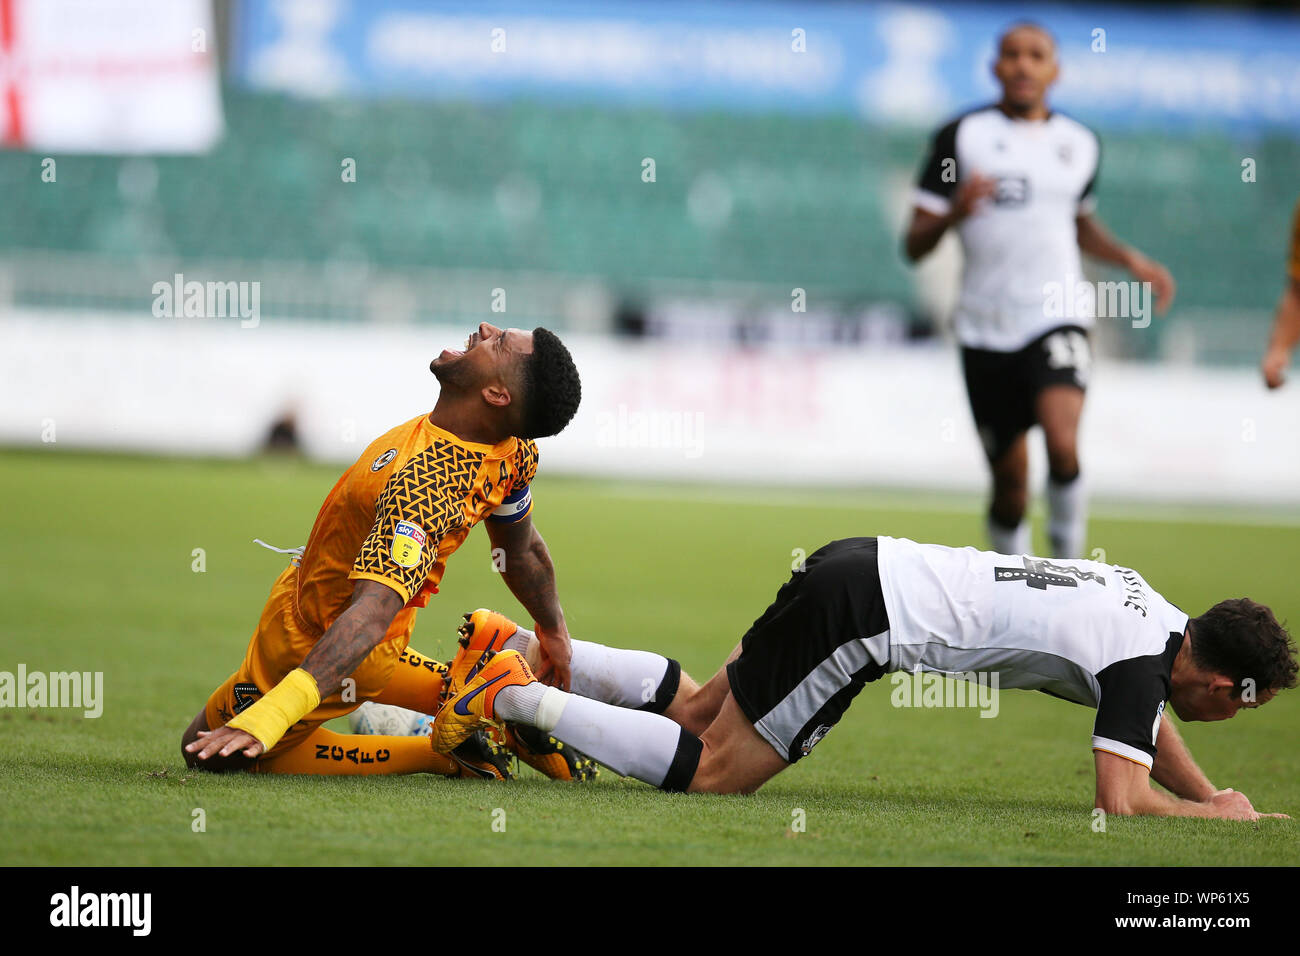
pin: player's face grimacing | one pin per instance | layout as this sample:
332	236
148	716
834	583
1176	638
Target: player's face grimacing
1026	66
489	355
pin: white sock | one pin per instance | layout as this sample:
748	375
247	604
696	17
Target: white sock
1009	540
1067	517
632	743
522	640
520	704
615	675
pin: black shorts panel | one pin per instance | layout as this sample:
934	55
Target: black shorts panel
1003	386
806	658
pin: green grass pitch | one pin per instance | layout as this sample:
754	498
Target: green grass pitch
98	554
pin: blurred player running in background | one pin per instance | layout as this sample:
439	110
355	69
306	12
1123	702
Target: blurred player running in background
1016	180
335	630
1286	328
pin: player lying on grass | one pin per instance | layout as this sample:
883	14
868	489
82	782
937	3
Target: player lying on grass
335	629
1091	633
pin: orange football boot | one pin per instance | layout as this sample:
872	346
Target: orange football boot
545	754
472	708
483	634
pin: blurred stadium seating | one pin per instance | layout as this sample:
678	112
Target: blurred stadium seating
760	203
775	170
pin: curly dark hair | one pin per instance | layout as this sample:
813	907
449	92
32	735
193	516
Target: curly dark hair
552	389
1241	639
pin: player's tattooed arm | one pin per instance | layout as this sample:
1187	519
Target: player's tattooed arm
528	570
530	575
338	652
353	635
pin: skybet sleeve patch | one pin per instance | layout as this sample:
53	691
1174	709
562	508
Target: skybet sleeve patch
408	544
401	548
420	505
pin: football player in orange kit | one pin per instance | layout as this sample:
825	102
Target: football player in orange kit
335	629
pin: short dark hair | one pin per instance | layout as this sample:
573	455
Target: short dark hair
552	389
1241	639
1027	25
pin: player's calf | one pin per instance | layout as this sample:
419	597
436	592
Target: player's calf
735	758
1010	497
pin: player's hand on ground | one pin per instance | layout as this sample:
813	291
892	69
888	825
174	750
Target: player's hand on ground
969	195
1274	367
225	741
1258	815
557	652
1232	805
1162	283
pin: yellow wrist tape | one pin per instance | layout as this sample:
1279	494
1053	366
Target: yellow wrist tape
279	709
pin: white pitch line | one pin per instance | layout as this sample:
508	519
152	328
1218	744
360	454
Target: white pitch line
874	500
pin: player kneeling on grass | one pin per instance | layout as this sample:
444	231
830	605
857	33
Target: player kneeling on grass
1095	634
335	630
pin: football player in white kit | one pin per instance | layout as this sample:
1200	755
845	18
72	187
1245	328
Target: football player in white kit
1016	181
1095	634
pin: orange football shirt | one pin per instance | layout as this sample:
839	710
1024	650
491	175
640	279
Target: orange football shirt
400	511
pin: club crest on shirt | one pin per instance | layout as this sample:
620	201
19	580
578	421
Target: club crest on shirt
384	459
408	544
814	739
